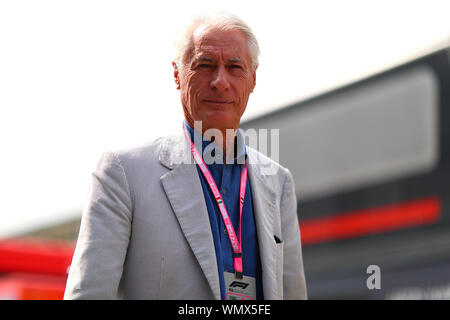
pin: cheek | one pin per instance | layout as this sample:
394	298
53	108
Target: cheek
246	89
186	87
190	93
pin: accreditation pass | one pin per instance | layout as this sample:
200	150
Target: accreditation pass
239	289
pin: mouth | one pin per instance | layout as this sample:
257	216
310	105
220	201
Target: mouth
217	101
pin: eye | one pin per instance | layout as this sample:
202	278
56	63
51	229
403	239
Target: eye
236	66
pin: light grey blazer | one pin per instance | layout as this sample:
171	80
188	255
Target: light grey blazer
145	231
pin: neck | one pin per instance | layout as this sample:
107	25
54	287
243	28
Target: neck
223	138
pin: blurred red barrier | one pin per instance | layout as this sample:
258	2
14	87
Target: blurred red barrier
32	287
26	255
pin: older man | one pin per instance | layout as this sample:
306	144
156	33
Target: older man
163	223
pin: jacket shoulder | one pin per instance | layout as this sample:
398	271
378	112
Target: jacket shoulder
145	153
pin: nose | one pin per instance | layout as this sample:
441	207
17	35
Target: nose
220	79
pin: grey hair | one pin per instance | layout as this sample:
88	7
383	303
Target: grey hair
222	21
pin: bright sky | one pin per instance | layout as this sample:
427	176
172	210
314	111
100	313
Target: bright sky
81	77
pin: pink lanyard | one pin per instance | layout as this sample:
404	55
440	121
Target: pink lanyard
235	243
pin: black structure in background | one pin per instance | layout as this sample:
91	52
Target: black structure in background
414	261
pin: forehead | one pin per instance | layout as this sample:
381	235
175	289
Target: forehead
229	44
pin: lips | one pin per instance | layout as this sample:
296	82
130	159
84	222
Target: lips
216	101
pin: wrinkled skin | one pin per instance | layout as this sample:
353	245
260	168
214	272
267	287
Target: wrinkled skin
217	79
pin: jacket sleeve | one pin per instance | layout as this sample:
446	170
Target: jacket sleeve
105	229
294	284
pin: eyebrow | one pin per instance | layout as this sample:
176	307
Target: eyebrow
234	60
205	59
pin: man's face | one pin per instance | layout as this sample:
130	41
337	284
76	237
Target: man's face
217	80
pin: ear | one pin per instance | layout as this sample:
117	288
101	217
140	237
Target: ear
176	75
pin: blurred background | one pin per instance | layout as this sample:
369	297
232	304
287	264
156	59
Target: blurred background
360	92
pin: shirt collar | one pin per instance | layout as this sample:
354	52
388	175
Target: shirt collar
241	150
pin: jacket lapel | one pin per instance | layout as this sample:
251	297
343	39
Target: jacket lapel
183	187
264	199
